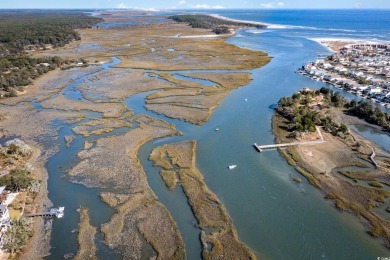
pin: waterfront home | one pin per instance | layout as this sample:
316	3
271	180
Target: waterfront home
376	90
327	66
319	61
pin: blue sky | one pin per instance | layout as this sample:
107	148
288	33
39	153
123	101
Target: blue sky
195	4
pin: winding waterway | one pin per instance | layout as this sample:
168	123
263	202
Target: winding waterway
274	216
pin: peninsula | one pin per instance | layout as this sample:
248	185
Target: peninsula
349	169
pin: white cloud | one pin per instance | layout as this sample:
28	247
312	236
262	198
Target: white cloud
272	4
206	6
268	5
121	6
182	2
358	5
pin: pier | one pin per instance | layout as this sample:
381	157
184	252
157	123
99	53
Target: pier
261	148
57	212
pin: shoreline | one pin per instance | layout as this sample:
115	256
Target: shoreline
335	168
208	36
59	104
333	44
218	234
242	21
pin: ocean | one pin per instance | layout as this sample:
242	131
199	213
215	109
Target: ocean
358	24
274	216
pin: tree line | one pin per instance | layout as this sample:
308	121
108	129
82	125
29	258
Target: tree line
22	29
363	109
218	25
25	30
304	116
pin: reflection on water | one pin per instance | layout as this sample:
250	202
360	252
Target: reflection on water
379	138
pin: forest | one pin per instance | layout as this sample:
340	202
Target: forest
303	116
25	30
219	26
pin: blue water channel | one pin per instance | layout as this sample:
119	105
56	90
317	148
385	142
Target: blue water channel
382	139
70	195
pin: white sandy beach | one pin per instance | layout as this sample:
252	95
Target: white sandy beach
334	44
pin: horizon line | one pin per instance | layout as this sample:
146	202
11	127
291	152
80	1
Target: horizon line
181	9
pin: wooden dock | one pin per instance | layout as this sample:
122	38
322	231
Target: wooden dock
261	148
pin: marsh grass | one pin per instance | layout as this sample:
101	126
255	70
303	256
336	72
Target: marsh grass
169	178
85	237
218	235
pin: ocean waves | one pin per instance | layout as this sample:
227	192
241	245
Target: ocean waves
282	26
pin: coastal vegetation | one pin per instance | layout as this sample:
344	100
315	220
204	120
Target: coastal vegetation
218	25
192	101
218	235
23	32
85	237
17	71
169	178
343	166
13	158
17	179
28	30
128	231
370	113
305	110
141	227
16	236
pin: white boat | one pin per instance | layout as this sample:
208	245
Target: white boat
246	100
231	167
58	212
216	129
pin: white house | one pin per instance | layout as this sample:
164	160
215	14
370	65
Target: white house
376	90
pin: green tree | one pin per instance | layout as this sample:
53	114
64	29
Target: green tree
17	179
17	235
